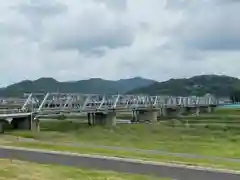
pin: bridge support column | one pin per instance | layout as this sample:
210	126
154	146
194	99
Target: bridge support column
135	116
24	123
91	119
111	119
107	119
148	115
206	109
1	127
35	125
99	118
198	111
192	111
203	109
171	112
163	112
210	109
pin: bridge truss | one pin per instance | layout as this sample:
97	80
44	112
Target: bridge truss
48	103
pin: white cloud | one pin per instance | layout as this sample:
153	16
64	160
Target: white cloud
76	39
91	28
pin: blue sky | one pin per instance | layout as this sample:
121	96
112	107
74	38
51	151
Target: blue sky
113	39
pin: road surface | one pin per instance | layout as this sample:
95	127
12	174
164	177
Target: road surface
176	172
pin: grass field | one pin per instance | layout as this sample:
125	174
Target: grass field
18	170
216	137
218	112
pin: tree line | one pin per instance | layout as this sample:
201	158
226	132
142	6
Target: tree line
235	96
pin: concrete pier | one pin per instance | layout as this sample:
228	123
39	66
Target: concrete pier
106	119
111	119
192	111
211	109
147	115
100	118
26	123
35	125
135	116
91	118
171	112
208	109
23	123
1	127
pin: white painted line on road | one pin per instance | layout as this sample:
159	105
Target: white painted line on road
123	159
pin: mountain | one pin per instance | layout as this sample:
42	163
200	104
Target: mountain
198	85
221	86
90	86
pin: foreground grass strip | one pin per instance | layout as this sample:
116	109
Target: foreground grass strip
19	170
216	142
146	151
126	154
193	140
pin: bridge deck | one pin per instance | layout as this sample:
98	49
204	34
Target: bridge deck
15	115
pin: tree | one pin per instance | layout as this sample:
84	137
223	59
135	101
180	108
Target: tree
235	96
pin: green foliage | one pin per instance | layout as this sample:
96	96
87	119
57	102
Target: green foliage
221	86
235	96
95	85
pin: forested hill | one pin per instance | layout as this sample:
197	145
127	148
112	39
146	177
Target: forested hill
198	85
221	86
94	86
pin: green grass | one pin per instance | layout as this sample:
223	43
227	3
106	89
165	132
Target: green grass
130	154
19	170
223	111
217	137
201	140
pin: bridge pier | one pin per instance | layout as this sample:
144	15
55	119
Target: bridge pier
105	119
99	118
135	116
146	115
26	123
192	110
210	109
35	125
171	112
1	127
91	119
206	109
23	123
111	119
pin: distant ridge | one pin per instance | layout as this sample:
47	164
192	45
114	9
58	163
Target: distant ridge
93	85
221	86
198	85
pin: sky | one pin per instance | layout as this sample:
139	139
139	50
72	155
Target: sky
116	39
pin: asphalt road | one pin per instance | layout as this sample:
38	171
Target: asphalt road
116	164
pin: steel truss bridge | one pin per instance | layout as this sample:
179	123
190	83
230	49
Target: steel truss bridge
54	103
